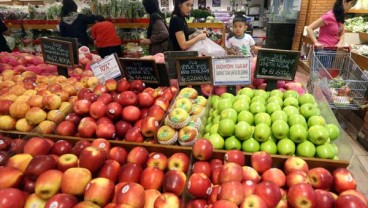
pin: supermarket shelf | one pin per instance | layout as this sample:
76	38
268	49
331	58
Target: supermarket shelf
362	11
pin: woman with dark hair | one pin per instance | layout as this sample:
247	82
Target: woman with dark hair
106	40
331	25
179	31
74	24
157	32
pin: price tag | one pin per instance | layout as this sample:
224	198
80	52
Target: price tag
194	70
231	71
107	68
57	52
140	69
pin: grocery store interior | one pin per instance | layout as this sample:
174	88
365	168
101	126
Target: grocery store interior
140	116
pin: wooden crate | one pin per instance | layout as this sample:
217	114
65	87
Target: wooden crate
363	36
361	61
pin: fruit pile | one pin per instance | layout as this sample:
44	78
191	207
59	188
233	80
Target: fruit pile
118	110
28	100
234	182
184	119
50	174
276	122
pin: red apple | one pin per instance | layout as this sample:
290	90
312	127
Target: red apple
295	163
145	99
10	177
128	98
138	155
167	200
37	146
40	164
119	154
90	153
81	107
144	113
103	120
102	144
48	184
231	172
178	161
16	145
275	175
253	201
215	163
4	157
196	203
130	172
29	185
99	89
269	192
97	109
235	156
215	176
121	128
224	203
199	185
202	167
138	124
79	146
202	149
150	197
61	147
295	177
99	190
162	102
111	84
261	161
157	112
137	86
349	201
343	180
122	85
157	160
61	201
232	191
114	110
75	180
131	194
131	113
174	182
105	130
214	194
151	178
19	161
250	173
324	199
86	204
67	161
12	198
110	170
149	126
106	98
301	195
73	117
91	97
87	128
249	187
320	178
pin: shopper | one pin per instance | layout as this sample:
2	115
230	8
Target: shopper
331	26
105	38
240	43
179	31
74	24
158	31
3	31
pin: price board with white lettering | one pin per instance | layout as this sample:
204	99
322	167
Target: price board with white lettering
231	70
276	64
194	70
57	52
107	68
140	69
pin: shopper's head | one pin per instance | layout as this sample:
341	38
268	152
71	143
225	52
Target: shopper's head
239	25
183	7
340	8
99	18
151	6
68	7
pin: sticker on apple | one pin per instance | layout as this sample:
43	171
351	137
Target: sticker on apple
156	156
125	189
54	204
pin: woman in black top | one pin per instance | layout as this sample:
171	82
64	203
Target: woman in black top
179	31
3	45
74	24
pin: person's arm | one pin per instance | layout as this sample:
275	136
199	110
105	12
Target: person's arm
310	30
93	32
4	29
184	44
254	49
341	42
159	32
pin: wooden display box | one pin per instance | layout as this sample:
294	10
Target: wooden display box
363	36
361	61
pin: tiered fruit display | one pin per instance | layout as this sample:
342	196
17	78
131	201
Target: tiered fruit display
90	174
118	110
28	100
277	122
184	119
233	182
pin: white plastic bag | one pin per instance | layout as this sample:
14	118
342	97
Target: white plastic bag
207	47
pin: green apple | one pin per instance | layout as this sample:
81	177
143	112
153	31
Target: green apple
318	134
229	114
226	127
291	110
306	98
286	147
246	91
306	149
280	129
240	105
297	119
279	115
277	92
224	104
316	120
250	145
262	132
217	141
336	148
216	119
227	95
325	151
243	130
243	97
262	118
215	112
308	110
272	107
214	98
246	116
291	93
209	120
298	133
206	136
259	99
208	128
257	108
232	143
269	146
334	131
275	99
291	101
214	129
260	92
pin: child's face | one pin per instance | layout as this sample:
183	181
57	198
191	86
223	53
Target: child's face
239	28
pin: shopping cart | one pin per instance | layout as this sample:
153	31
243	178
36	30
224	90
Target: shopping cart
341	80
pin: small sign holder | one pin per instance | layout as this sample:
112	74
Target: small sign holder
140	69
231	70
194	70
274	65
172	56
107	68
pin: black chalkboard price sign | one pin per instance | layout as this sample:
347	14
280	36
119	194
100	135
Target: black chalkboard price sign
140	69
194	70
57	52
276	64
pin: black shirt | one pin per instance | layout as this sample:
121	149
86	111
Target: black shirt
178	23
3	45
77	29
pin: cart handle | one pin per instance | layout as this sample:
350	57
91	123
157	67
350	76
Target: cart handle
335	48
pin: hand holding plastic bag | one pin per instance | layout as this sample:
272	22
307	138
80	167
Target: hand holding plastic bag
207	47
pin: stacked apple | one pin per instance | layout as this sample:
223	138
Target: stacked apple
184	119
231	183
276	122
29	100
118	110
58	174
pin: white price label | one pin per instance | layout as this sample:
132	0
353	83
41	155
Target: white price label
231	71
107	68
